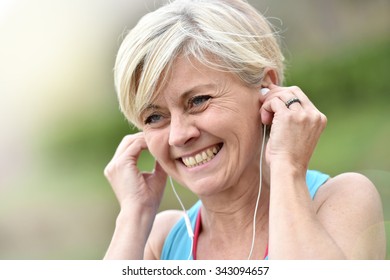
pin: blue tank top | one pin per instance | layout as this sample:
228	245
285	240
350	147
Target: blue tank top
177	245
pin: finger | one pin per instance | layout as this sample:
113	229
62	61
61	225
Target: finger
159	174
290	100
127	141
156	179
126	155
286	97
288	93
134	149
269	108
273	92
305	101
294	103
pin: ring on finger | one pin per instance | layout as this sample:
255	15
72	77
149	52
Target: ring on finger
291	101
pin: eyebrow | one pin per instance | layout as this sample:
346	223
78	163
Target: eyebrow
183	95
151	106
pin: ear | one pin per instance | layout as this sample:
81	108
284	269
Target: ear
270	77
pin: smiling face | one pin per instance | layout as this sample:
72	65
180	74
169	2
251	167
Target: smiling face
204	128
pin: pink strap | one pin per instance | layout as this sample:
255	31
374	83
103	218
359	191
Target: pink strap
198	226
266	252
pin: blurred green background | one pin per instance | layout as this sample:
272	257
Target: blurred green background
60	122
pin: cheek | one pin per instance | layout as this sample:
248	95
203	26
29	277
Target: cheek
244	121
152	144
157	144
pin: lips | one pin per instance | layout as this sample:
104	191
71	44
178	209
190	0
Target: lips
202	157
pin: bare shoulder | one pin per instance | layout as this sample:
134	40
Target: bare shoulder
162	225
349	206
349	187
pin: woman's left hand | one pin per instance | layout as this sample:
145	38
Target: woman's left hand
296	127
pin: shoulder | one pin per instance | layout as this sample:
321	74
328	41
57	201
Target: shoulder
350	208
162	225
349	187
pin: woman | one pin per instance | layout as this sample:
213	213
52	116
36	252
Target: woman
190	77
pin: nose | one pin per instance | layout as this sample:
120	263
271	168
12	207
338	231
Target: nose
182	130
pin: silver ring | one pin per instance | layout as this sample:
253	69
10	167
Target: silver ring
291	101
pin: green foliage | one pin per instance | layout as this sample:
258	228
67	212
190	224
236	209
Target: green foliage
84	140
354	76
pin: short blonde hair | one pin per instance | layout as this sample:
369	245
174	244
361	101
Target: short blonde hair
232	32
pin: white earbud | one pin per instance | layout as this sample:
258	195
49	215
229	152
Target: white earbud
264	91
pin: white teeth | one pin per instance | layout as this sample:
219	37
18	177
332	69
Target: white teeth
201	157
191	161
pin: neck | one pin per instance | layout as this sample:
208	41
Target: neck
236	205
227	233
231	213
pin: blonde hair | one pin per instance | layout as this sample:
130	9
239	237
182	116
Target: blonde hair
227	35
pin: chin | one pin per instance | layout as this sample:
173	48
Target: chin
205	187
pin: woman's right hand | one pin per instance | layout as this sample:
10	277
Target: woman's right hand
132	187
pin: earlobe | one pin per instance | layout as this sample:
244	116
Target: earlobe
270	77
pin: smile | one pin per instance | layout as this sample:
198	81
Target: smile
201	157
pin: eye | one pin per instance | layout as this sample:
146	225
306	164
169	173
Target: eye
154	118
198	100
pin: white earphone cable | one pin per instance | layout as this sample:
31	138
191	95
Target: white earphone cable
186	219
258	195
